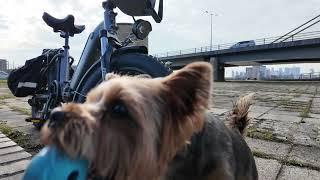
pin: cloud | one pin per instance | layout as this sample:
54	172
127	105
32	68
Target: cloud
23	34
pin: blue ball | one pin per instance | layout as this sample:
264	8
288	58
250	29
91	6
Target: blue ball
52	164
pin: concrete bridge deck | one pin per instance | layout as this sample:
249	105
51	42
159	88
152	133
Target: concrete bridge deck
303	48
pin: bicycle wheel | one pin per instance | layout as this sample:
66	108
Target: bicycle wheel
130	64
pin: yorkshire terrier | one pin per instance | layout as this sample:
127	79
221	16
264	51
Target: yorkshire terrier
138	128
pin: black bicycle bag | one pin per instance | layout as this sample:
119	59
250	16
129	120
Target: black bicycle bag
31	77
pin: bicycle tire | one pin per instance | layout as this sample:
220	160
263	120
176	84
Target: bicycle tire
122	63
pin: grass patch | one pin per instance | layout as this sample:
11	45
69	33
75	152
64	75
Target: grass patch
5	129
7	96
20	138
265	135
21	110
305	112
294	163
262	155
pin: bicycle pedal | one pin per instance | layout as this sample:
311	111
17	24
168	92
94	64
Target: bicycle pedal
35	120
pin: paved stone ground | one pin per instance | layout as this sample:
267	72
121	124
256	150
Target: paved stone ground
13	159
284	135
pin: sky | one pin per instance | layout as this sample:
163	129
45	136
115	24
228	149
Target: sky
23	34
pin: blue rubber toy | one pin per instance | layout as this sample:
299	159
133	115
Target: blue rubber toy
52	164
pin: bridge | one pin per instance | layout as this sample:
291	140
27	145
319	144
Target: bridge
298	48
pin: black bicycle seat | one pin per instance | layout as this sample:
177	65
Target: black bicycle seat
66	24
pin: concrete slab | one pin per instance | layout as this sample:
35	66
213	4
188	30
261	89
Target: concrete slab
13	160
4	139
14	177
297	173
14	157
304	99
312	115
267	168
307	134
5	109
14	117
281	112
259	109
15	167
7	144
253	114
8	114
308	156
218	111
280	130
315	121
18	123
280	117
273	149
10	150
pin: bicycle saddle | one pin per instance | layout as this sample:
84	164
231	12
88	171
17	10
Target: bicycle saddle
66	24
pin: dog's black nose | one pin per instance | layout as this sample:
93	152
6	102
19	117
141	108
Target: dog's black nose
56	118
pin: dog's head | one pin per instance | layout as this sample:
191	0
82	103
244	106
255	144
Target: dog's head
71	128
141	123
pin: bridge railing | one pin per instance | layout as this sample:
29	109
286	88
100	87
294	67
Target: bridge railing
263	41
315	75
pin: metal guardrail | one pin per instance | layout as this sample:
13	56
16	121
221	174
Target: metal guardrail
264	41
303	76
315	75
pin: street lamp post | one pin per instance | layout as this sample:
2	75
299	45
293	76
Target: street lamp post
211	20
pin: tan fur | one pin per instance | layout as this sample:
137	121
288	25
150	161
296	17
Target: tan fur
238	117
76	136
163	115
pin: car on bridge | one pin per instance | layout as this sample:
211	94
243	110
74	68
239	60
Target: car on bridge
243	44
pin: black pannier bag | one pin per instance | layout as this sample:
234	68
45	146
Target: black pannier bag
31	77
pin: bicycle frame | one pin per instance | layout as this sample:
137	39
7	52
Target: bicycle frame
61	68
100	46
89	55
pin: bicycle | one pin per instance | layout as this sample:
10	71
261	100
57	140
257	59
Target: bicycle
95	62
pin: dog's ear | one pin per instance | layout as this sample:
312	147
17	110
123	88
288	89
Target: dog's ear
185	96
189	89
110	76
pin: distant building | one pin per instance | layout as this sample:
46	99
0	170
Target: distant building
242	75
3	75
256	72
249	73
268	74
262	72
296	71
3	65
280	72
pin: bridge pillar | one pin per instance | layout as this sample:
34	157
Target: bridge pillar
218	69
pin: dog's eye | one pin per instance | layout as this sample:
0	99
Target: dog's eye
119	109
